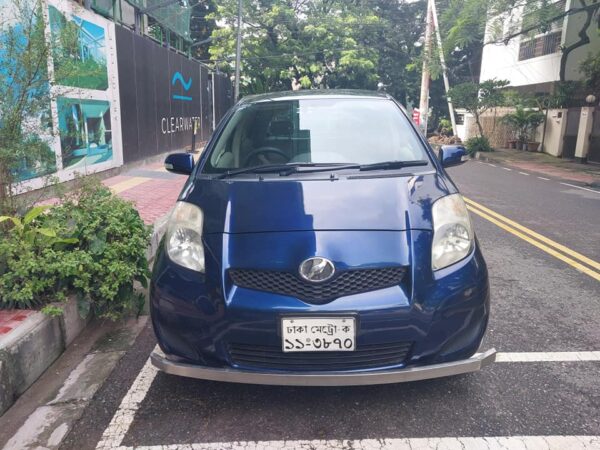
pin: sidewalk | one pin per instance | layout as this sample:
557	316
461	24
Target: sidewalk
150	187
542	163
28	336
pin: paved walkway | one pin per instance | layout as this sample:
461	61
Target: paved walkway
542	163
151	188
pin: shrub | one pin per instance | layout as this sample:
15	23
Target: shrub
478	144
92	245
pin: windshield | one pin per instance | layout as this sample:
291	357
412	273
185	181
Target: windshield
321	131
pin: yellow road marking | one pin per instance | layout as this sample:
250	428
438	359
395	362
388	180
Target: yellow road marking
584	259
537	244
128	184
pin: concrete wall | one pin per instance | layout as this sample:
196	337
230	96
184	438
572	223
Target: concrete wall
574	23
555	131
502	62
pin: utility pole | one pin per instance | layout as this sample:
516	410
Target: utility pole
438	36
238	52
424	103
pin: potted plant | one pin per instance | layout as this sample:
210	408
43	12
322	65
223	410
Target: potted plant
523	121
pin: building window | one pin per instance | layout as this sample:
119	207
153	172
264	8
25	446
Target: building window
546	44
540	46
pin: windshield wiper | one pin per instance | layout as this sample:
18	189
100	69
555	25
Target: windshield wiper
388	165
287	169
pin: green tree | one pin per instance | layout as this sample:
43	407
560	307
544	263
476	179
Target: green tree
478	98
201	27
290	43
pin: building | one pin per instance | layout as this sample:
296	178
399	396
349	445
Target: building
537	63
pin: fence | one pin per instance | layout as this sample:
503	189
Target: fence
163	95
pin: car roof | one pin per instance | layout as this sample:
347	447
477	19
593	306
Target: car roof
314	94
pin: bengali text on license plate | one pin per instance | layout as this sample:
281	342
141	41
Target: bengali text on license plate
322	334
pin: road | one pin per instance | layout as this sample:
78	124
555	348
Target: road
541	239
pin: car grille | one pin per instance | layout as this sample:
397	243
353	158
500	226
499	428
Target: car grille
364	357
345	283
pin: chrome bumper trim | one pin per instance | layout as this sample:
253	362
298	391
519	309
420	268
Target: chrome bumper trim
473	364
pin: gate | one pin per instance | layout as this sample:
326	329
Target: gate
570	139
594	150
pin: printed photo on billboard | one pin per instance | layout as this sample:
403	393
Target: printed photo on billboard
78	51
85	132
25	117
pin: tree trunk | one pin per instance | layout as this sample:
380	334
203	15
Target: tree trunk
479	126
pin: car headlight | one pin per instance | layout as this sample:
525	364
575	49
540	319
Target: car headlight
452	231
183	240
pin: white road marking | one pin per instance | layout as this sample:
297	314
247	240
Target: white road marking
445	443
548	356
123	418
508	169
545	179
523	173
490	164
579	187
121	422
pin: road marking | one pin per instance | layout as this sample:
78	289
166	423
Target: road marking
448	443
539	245
545	179
490	164
128	184
548	357
123	418
579	187
523	173
539	237
506	168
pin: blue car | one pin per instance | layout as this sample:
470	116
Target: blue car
319	241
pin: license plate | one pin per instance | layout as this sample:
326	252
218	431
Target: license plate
318	334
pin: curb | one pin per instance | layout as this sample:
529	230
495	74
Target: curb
490	159
27	352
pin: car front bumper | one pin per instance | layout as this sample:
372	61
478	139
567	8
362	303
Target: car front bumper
230	375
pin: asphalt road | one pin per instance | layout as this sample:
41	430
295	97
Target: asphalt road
540	304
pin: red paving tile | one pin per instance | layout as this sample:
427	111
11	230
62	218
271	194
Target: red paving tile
10	319
154	198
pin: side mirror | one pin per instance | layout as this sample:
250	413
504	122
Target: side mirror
452	155
182	163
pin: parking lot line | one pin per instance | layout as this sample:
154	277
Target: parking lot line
548	356
449	443
121	421
123	418
536	239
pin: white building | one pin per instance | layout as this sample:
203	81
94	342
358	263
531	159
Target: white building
535	60
532	63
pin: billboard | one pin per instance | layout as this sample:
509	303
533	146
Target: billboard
163	94
107	95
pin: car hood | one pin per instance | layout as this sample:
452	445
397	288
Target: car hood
389	203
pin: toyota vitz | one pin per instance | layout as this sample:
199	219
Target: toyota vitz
319	241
